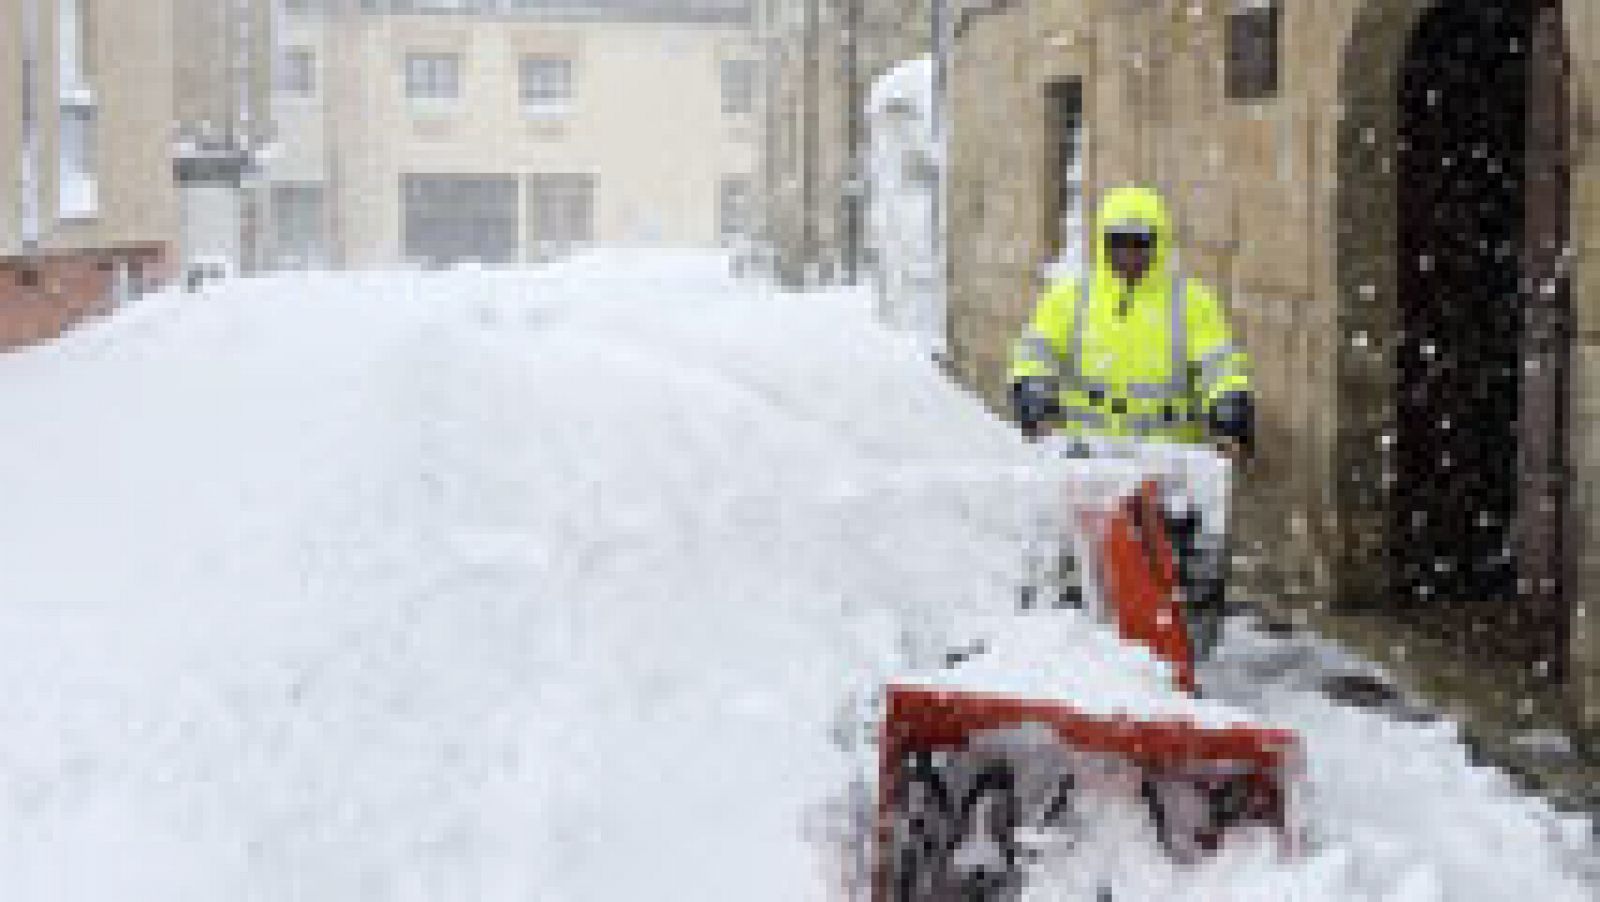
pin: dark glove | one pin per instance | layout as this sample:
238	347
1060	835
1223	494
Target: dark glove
1233	417
1034	400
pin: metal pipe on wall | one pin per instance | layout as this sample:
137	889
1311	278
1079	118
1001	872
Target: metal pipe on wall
30	206
855	184
769	113
940	40
808	163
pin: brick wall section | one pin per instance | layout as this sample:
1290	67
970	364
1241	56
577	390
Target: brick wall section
43	296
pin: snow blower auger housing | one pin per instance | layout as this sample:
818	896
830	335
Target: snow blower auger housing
981	775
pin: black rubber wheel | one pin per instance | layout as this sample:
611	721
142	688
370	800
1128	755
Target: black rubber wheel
1158	813
996	785
925	816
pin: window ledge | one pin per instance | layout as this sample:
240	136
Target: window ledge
547	129
433	107
546	110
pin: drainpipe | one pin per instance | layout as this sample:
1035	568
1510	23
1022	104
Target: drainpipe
242	68
809	257
938	14
339	23
30	201
772	235
939	42
855	174
244	65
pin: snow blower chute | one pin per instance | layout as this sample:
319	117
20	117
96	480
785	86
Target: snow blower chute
983	766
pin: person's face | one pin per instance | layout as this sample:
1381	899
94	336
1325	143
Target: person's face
1131	255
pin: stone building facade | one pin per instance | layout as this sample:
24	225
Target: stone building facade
1401	199
502	132
823	58
87	207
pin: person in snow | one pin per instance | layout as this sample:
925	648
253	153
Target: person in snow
1134	352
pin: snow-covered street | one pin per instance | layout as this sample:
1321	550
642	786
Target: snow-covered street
493	586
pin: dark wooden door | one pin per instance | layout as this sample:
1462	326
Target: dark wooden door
1461	175
1480	438
1479	502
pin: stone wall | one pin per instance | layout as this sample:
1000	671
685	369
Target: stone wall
1288	205
10	127
1583	30
996	224
127	61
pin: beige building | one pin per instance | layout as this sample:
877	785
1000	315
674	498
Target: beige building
87	208
1401	198
222	125
504	132
825	55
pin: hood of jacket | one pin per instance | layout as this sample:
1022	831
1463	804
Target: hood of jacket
1139	206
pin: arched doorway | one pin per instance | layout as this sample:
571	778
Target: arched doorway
1479	362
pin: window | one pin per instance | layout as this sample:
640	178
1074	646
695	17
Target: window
302	7
1065	105
738	87
77	189
546	82
1253	50
560	210
299	224
297	73
734	213
78	195
433	76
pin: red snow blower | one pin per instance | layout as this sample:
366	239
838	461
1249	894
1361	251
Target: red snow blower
970	780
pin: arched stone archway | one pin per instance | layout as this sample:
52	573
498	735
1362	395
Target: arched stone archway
1394	214
1366	236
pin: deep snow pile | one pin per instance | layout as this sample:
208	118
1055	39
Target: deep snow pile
510	586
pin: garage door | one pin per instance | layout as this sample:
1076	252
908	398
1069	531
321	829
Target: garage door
452	219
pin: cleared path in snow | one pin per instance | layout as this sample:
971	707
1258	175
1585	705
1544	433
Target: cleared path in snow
507	586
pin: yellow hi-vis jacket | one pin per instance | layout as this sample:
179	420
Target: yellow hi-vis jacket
1151	369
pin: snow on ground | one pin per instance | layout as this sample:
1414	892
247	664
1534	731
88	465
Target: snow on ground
510	586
